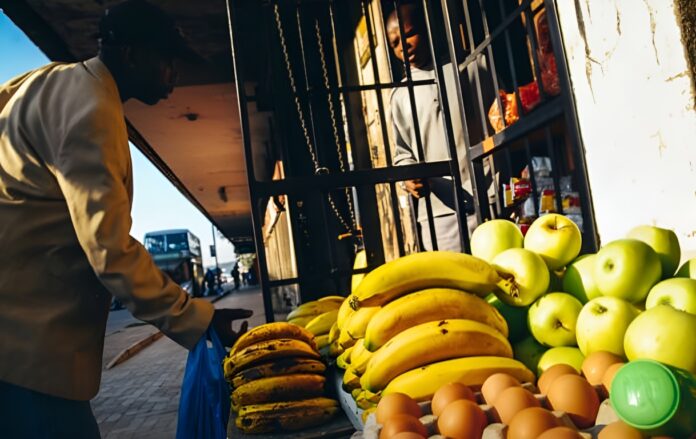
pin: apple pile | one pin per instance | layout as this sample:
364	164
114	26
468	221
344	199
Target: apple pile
625	299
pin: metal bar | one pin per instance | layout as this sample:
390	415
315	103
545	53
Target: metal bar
416	122
590	237
554	169
532	175
477	78
535	54
540	116
257	220
511	60
383	123
362	177
449	133
478	202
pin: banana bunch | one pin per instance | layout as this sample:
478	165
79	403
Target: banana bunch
318	317
277	380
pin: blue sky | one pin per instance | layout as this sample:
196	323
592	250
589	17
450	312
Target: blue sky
157	203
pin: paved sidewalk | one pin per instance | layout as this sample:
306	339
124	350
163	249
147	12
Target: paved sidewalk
140	398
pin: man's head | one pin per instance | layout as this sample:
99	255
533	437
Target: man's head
413	22
139	44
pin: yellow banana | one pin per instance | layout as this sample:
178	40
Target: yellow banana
301	321
355	393
344	312
362	402
322	323
281	421
279	388
334	332
422	383
434	269
359	357
430	342
335	349
360	262
427	306
345	340
272	331
366	413
343	360
313	308
287	406
266	351
356	326
322	341
338	299
281	366
351	381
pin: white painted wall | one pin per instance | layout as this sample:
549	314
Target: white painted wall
636	112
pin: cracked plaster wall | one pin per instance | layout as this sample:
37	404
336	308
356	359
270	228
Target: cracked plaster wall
635	103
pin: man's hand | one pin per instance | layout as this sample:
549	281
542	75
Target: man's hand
417	187
222	324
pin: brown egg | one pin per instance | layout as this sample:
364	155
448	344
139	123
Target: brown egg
396	404
448	394
513	400
619	430
608	376
560	433
553	372
402	423
530	423
462	419
407	435
595	364
495	384
575	396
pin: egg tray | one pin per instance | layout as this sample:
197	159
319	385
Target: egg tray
495	429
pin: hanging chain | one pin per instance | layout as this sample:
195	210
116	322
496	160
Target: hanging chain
300	113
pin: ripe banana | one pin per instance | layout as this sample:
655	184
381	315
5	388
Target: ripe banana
265	351
322	323
301	321
366	413
351	380
357	324
281	366
287	406
313	308
272	331
428	306
362	402
322	341
344	312
335	349
279	388
434	269
360	262
334	332
430	342
301	415
337	299
422	383
359	357
343	360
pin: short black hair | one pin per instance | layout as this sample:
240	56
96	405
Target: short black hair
411	8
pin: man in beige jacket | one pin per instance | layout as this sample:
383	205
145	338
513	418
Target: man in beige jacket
65	200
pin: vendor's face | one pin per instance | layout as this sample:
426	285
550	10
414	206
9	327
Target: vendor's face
154	75
416	49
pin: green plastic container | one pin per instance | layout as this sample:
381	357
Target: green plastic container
655	398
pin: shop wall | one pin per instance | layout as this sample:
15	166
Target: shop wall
635	103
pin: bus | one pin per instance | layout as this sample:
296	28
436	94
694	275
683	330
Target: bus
178	253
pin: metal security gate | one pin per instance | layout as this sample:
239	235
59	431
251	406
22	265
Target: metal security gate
314	82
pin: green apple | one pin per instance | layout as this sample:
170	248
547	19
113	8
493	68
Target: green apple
664	242
663	334
515	316
563	354
679	292
552	319
627	269
527	271
578	278
555	238
529	351
602	323
493	237
688	269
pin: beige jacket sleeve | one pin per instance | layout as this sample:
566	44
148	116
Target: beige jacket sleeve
92	167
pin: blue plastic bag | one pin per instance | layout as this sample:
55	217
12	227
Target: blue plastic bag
204	404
